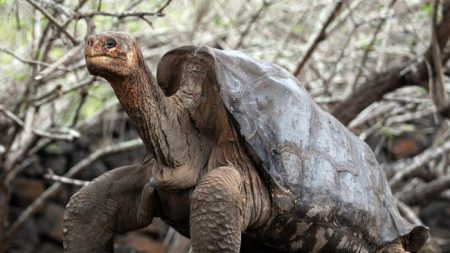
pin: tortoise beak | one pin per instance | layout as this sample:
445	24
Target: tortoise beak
94	47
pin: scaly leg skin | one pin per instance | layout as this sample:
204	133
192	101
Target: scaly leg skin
116	202
217	212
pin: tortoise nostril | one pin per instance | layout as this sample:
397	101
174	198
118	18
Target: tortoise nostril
90	42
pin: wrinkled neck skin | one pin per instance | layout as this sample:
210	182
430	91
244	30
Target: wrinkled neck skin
165	128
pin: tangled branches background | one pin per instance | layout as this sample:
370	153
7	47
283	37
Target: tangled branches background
381	67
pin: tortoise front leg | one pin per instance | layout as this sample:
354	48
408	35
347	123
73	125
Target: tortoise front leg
216	221
116	202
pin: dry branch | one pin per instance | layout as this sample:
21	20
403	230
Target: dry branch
125	14
410	73
252	20
161	10
408	213
65	180
119	15
54	21
56	187
435	69
318	37
369	47
26	61
415	164
58	92
67	135
413	72
425	192
61	61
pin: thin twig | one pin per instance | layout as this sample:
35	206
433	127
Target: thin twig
408	213
120	15
416	163
60	62
63	135
65	180
426	192
412	72
83	98
160	11
53	21
26	61
319	37
369	48
56	92
436	78
410	116
252	20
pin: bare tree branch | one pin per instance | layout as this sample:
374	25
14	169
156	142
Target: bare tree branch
318	37
425	192
413	72
161	10
253	19
54	21
416	163
65	180
369	47
119	15
58	63
436	76
31	62
58	92
68	135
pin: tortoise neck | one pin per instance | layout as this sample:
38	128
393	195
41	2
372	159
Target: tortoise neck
145	104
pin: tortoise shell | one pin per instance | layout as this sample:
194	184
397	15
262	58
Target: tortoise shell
316	168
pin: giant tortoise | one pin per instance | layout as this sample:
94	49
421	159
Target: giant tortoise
240	159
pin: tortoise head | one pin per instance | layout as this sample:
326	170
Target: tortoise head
112	55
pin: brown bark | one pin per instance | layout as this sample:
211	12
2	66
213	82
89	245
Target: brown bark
436	85
413	72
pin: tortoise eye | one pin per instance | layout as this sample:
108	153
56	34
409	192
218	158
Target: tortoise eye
110	43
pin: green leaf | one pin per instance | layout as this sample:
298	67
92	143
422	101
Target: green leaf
217	21
388	132
297	29
427	9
